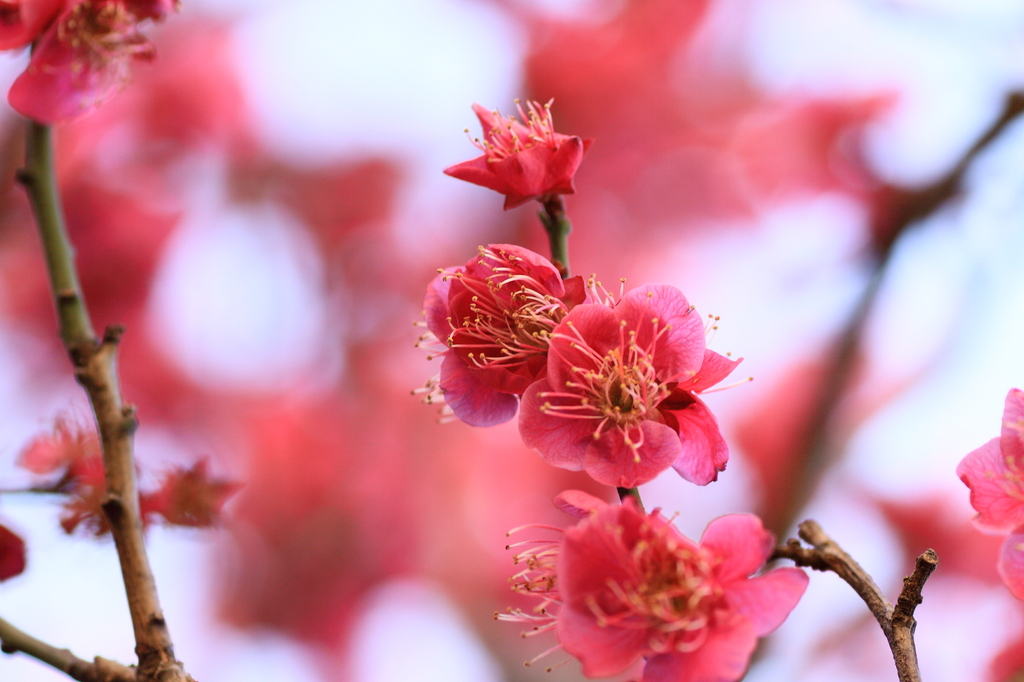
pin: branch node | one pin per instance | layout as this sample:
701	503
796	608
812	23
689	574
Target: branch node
24	177
113	507
131	419
112	334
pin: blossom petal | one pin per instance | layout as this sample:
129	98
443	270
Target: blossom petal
478	172
741	543
996	492
723	657
578	503
525	172
767	600
435	306
704	451
487	118
21	22
472	401
713	369
610	460
596	323
603	651
562	166
560	441
679	351
1011	563
1012	438
537	266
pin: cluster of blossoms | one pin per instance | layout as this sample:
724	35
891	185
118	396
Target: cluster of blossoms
81	51
624	585
608	386
995	474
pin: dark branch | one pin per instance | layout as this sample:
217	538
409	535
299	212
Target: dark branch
13	640
897	623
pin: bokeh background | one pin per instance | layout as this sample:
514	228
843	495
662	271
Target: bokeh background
264	206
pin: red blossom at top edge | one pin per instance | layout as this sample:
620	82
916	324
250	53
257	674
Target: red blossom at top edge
21	21
12	554
624	585
83	57
620	396
523	159
995	474
496	315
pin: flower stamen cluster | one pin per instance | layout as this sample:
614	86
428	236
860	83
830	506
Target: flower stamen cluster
509	136
103	35
495	317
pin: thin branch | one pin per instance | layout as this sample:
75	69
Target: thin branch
13	640
95	369
896	209
897	623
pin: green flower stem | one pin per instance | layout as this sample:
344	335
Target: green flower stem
95	363
631	492
556	224
558	227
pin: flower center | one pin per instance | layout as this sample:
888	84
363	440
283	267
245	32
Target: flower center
103	35
673	597
512	136
619	389
510	319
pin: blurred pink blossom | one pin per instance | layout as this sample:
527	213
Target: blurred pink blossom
83	57
12	554
22	21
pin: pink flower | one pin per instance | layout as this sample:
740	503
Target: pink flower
620	396
83	58
995	474
21	21
624	584
496	315
522	160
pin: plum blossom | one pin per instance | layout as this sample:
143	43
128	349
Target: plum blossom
21	21
496	315
995	474
523	159
624	585
620	398
82	58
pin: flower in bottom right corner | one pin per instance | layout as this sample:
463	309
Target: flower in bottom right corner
995	474
624	584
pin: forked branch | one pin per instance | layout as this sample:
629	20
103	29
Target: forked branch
897	623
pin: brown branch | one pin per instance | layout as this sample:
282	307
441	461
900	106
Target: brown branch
13	640
896	209
95	366
897	623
